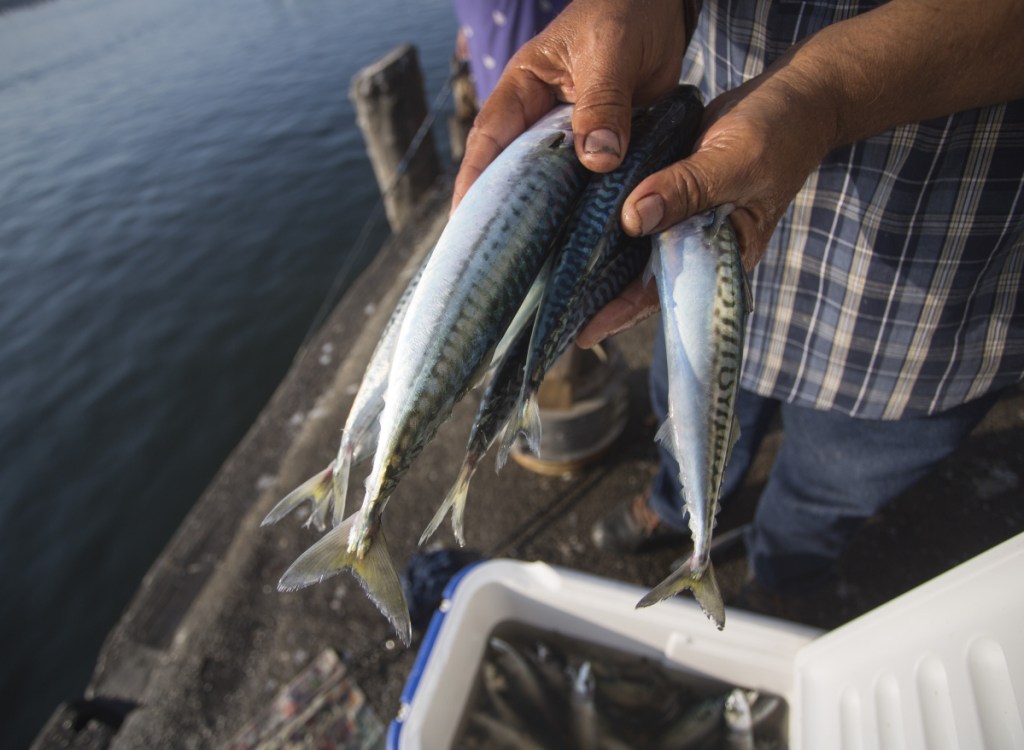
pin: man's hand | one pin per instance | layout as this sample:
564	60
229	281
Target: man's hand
604	56
905	61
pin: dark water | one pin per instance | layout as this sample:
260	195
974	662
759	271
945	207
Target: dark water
180	185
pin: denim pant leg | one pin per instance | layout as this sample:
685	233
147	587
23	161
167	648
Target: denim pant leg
754	413
833	472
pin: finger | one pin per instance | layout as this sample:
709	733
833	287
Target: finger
603	96
669	196
631	56
600	123
481	149
518	101
637	302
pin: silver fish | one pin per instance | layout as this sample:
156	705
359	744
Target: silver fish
479	273
584	712
328	488
704	302
499	400
500	736
661	135
699	726
739	720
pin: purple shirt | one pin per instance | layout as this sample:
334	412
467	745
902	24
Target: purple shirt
496	29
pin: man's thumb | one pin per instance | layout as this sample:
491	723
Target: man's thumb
600	123
667	197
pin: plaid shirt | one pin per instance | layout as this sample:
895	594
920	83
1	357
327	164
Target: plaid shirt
892	287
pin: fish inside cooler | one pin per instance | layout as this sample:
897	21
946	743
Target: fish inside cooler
939	666
541	688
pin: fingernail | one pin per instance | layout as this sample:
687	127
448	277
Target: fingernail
651	209
601	142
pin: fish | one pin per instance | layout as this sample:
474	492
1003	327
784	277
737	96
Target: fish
524	692
501	395
700	725
326	490
739	720
575	695
661	135
484	263
502	736
705	300
584	712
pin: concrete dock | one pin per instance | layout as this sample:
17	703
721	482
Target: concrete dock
208	640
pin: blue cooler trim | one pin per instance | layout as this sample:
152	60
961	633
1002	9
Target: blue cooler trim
413	681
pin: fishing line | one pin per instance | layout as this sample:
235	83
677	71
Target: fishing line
355	252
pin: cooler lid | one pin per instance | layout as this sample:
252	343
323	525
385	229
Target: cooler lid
940	667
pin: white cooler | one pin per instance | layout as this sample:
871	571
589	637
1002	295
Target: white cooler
940	667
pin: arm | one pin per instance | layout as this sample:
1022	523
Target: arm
905	61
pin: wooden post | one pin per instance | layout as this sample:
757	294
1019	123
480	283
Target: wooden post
390	108
461	119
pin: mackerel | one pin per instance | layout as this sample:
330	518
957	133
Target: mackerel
499	400
328	488
704	301
478	275
661	135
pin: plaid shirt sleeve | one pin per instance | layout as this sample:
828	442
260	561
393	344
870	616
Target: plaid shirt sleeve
893	286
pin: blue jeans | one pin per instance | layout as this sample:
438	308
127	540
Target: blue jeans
832	473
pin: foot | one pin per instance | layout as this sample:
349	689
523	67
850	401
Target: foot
633	527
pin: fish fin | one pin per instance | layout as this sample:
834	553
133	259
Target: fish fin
525	422
649	269
597	254
374	571
718	217
508	441
456	502
748	293
704	586
531	424
664	436
435	522
366	445
318	489
505	443
734	436
526	314
339	483
459	494
483	370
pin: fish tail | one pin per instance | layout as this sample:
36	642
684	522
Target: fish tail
508	439
702	583
339	483
456	502
374	571
526	422
529	423
319	489
435	522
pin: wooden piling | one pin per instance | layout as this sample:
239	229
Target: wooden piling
390	108
465	109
